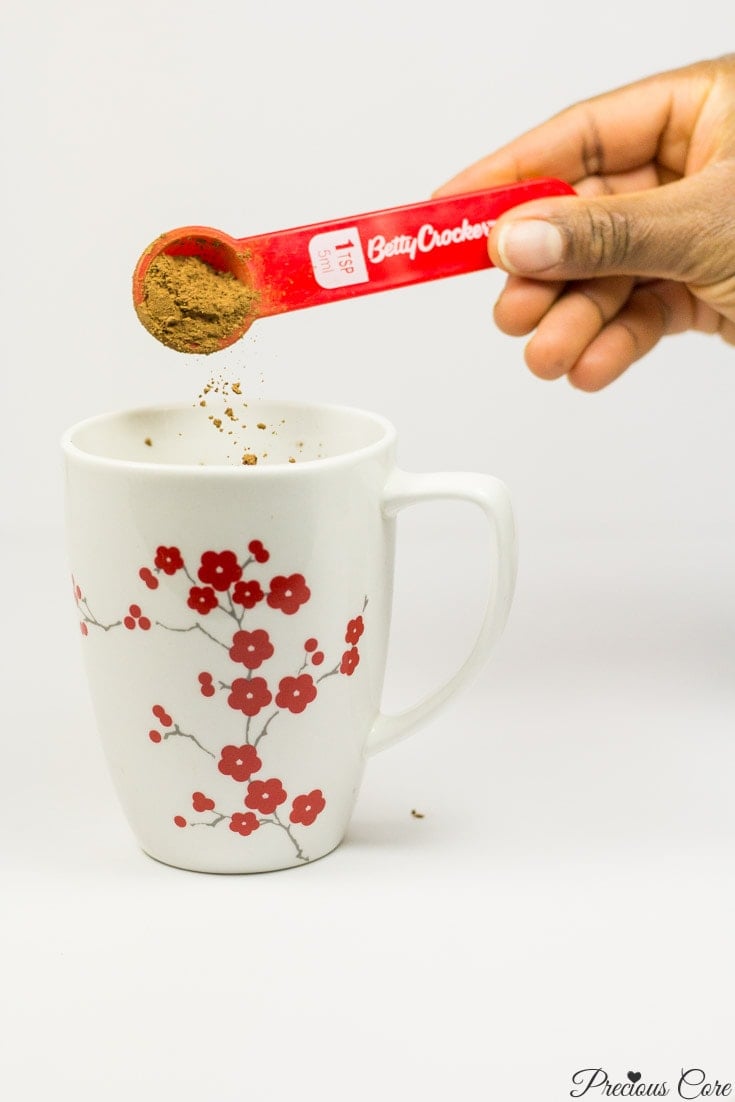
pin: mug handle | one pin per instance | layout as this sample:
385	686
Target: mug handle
491	495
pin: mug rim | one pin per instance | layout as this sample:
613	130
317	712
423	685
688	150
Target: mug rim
387	438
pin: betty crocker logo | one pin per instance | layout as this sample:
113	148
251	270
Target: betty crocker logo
380	248
223	597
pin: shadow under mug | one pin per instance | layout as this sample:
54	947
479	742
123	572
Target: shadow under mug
235	619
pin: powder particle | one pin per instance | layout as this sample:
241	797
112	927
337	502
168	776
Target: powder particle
148	442
249	460
262	425
190	306
235	388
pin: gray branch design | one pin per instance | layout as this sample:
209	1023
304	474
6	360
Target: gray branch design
176	732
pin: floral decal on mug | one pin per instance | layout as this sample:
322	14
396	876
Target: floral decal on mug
223	593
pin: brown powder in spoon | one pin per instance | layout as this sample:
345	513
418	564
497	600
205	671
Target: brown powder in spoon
190	306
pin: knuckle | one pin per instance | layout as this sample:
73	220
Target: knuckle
606	242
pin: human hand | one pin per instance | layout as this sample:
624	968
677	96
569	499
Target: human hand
648	246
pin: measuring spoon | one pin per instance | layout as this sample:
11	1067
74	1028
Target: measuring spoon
346	257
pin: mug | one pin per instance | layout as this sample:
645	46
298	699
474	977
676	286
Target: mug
234	613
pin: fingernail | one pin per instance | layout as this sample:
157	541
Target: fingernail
530	246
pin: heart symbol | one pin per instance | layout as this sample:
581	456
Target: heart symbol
634	1076
200	802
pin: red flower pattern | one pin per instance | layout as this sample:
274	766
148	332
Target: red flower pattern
168	559
202	600
244	823
206	688
317	656
247	593
239	762
220	572
220	569
252	648
288	593
200	802
294	693
355	628
349	662
249	695
305	809
136	619
259	553
265	796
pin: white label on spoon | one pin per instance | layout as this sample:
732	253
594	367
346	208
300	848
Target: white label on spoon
337	258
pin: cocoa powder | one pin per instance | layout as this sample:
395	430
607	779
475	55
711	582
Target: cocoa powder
192	307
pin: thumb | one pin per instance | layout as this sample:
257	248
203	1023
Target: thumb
665	233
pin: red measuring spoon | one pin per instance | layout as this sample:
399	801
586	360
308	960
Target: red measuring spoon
346	257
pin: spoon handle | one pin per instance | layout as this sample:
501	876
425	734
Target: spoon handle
347	257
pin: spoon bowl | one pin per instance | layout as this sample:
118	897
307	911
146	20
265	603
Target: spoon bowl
218	249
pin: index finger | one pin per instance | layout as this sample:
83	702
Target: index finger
617	131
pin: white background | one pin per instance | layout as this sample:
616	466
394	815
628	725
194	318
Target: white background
567	899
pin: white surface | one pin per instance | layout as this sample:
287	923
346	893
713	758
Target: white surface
567	901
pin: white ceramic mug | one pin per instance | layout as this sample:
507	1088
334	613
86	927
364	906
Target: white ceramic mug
235	620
